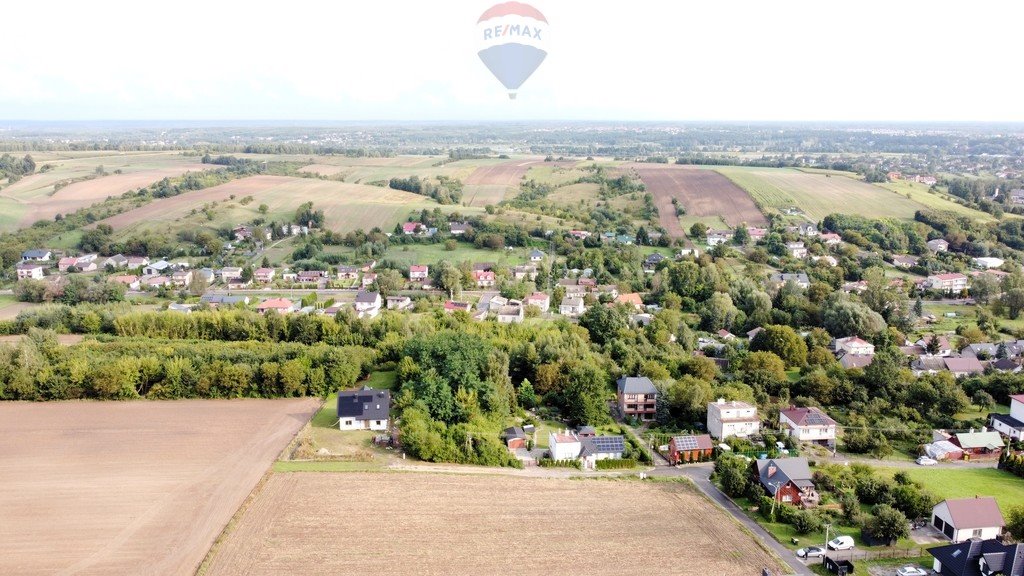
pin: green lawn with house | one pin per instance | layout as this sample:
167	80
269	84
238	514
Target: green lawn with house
968	482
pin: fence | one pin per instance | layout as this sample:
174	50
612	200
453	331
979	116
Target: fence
875	554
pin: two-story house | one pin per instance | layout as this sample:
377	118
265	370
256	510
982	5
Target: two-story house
732	418
808	425
1011	424
637	397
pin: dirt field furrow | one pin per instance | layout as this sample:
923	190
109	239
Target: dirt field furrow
701	192
130	487
435	524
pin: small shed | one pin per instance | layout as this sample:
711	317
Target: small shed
838	567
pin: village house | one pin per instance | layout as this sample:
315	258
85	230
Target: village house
633	300
364	409
831	239
525	272
451	306
368	279
950	282
965	518
568	445
808	425
484	279
937	245
509	314
571	306
347	272
536	255
116	261
689	448
687	253
983	444
419	272
230	274
716	237
29	270
732	418
263	275
636	397
651	262
788	481
796	249
38	255
800	279
156	281
904	261
130	281
986	262
940	346
579	234
963	367
515	438
398	302
807	229
539	299
458	228
279	305
756	234
978	557
409	228
367	304
860	361
225	300
853	345
830	260
136	262
181	277
1012	424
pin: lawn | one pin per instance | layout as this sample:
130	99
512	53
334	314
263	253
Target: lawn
407	254
871	567
968	482
921	194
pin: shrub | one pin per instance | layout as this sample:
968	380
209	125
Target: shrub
549	463
616	464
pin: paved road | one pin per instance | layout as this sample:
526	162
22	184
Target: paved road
700	474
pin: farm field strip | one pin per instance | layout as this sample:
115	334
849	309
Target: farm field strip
482	525
819	195
140	487
701	193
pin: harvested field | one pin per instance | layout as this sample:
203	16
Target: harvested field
323	169
346	206
489	184
819	195
131	487
701	192
367	523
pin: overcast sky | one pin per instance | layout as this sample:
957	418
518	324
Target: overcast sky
900	60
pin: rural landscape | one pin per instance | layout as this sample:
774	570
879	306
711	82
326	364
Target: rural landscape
401	288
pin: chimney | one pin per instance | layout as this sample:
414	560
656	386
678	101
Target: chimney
772	469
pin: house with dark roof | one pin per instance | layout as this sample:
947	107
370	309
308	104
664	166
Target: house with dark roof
965	518
808	425
364	409
689	448
515	437
637	397
36	255
788	480
979	558
961	367
1011	424
367	303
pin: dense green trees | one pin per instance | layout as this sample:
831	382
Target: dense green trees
782	341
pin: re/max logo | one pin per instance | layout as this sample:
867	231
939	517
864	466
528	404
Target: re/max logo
511	30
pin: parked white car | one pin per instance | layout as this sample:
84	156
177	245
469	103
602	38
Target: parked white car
911	570
926	461
810	552
841	543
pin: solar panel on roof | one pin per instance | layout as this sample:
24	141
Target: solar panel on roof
686	443
608	444
815	418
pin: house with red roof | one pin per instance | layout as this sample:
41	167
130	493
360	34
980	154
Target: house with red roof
279	305
484	278
808	424
419	272
965	518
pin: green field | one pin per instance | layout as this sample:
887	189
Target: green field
921	194
431	254
819	195
968	482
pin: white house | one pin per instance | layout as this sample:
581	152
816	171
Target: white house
571	306
808	425
938	245
536	256
564	445
30	271
948	282
230	273
40	255
966	518
161	266
987	262
367	304
510	314
1011	424
398	302
733	418
797	249
716	237
538	299
364	409
418	272
854	345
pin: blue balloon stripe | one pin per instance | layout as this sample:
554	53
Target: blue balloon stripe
512	63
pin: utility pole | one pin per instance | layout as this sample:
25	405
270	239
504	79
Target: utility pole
827	526
775	496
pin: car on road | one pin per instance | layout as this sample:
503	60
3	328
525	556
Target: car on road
810	552
841	543
926	461
911	570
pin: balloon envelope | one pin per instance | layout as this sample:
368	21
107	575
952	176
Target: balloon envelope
512	42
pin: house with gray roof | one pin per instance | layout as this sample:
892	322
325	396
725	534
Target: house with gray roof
788	480
637	397
979	557
364	409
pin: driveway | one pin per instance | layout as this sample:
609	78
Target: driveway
700	474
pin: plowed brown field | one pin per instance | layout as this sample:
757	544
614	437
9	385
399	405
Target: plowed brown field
701	192
130	487
436	524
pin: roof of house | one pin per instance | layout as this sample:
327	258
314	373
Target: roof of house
1008	421
810	416
418	268
34	254
963	365
948	276
537	297
221	299
632	298
973	440
536	254
560	438
963	559
978	512
364	404
514	432
849	361
693	442
1017	397
573	301
793	470
636	385
602	445
276	304
1005	364
366	297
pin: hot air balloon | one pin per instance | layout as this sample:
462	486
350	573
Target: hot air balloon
512	40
